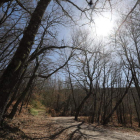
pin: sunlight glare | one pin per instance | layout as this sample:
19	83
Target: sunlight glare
103	26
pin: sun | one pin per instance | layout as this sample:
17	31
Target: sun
103	26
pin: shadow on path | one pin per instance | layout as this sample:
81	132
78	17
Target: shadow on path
65	128
74	130
8	132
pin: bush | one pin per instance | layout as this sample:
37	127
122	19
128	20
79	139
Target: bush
36	104
33	111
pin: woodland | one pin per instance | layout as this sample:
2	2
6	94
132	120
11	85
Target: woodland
50	57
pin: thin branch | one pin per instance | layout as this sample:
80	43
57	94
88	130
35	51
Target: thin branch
43	76
128	15
21	5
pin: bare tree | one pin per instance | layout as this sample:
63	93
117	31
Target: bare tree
14	69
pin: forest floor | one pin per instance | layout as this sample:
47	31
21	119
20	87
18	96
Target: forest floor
41	127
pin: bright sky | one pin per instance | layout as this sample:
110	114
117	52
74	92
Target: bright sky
103	25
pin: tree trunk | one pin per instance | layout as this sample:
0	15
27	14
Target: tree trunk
100	107
94	109
75	105
15	91
14	69
117	104
21	107
136	108
4	1
20	99
81	105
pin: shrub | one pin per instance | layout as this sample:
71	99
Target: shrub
33	111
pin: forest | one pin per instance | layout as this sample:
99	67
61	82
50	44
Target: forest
51	56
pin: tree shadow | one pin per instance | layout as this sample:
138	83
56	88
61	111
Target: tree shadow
62	127
8	132
74	131
59	132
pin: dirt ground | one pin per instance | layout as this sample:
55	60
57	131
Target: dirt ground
61	128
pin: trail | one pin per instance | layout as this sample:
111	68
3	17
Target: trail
65	128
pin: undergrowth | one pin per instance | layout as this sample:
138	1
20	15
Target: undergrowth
33	111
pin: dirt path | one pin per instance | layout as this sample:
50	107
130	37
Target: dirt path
65	128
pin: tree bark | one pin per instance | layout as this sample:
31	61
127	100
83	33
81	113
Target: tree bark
14	69
20	99
81	105
106	120
15	91
94	108
4	1
136	108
